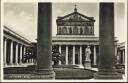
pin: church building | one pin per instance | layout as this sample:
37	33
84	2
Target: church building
75	32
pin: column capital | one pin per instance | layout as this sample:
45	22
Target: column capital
5	38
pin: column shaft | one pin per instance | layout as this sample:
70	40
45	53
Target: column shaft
21	54
115	50
11	53
123	58
44	41
95	57
5	52
16	58
60	53
106	44
66	57
24	51
80	55
73	55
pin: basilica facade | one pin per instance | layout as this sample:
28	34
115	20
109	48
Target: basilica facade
75	32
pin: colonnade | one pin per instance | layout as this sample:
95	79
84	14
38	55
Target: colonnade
81	51
14	53
121	56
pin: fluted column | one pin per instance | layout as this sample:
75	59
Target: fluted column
80	55
11	53
16	58
44	42
73	55
21	53
95	56
60	53
106	42
66	57
5	52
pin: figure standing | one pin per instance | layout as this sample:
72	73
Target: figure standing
88	53
87	59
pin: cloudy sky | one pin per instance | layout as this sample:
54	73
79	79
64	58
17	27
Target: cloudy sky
22	17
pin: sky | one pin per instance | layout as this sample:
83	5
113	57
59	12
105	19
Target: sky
22	17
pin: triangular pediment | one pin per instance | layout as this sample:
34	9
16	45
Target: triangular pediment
75	16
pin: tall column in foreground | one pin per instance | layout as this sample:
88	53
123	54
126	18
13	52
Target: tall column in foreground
107	49
44	41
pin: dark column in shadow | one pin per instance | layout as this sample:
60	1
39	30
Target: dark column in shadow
44	44
107	50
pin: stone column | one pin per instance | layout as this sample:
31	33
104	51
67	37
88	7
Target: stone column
24	50
73	55
107	50
115	50
95	57
5	52
11	53
66	57
44	42
60	53
123	57
21	54
16	58
80	55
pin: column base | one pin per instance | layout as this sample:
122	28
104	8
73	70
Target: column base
107	75
44	74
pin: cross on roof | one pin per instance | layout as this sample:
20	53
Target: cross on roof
75	10
75	5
